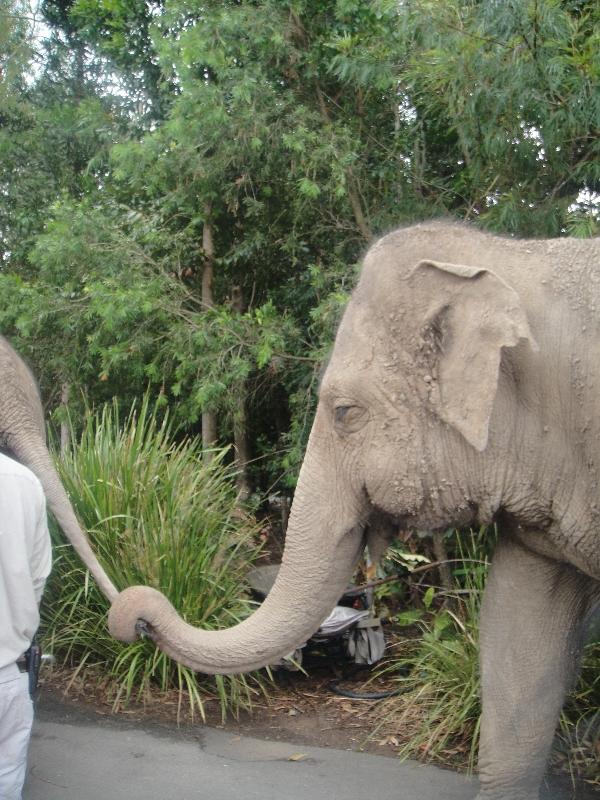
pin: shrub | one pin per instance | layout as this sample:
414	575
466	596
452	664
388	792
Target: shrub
157	513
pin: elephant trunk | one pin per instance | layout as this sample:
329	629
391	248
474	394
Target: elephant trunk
35	455
323	543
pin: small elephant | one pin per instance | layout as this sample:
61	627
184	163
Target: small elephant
23	436
463	388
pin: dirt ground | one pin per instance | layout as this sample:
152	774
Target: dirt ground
301	709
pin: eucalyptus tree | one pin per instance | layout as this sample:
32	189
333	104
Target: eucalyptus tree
119	33
279	165
56	126
505	105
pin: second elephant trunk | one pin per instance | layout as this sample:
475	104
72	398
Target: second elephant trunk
34	454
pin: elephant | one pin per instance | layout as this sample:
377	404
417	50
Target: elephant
23	436
462	389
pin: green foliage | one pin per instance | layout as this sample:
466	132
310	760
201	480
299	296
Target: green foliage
157	514
515	87
53	145
95	309
296	131
16	52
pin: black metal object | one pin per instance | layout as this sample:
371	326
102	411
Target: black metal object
33	661
339	690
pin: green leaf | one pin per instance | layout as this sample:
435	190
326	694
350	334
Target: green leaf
408	618
428	597
309	188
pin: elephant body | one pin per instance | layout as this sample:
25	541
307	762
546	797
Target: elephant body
463	388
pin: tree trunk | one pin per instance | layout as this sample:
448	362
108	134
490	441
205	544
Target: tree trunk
241	441
209	418
242	451
209	433
65	437
357	209
208	270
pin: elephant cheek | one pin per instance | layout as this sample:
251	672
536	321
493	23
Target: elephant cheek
393	484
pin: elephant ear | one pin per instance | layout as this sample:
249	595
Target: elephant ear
473	314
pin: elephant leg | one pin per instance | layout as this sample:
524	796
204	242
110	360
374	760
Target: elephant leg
532	623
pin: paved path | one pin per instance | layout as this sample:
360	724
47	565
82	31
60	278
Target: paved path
75	757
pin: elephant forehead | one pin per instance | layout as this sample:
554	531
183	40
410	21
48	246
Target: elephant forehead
373	324
355	345
366	354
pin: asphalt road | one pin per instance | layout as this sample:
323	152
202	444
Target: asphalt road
79	757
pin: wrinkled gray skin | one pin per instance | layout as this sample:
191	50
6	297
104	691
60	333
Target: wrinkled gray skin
23	436
462	389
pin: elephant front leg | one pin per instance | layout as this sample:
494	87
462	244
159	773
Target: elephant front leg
531	633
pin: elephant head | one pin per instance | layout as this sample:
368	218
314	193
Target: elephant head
396	416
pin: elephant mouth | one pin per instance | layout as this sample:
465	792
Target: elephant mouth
381	529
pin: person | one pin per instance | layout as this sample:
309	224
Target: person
25	561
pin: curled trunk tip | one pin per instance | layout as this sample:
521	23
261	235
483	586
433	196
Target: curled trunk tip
133	604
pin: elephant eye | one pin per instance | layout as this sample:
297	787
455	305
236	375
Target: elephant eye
341	412
349	418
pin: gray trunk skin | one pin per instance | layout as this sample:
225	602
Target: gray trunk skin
23	436
37	458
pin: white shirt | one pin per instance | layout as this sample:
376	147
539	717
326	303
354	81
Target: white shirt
25	557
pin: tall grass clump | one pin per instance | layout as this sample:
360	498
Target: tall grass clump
159	514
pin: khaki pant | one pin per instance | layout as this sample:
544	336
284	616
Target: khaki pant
16	717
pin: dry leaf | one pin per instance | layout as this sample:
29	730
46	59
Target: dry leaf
298	757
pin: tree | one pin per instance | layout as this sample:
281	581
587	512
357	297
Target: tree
55	132
120	34
277	138
505	102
